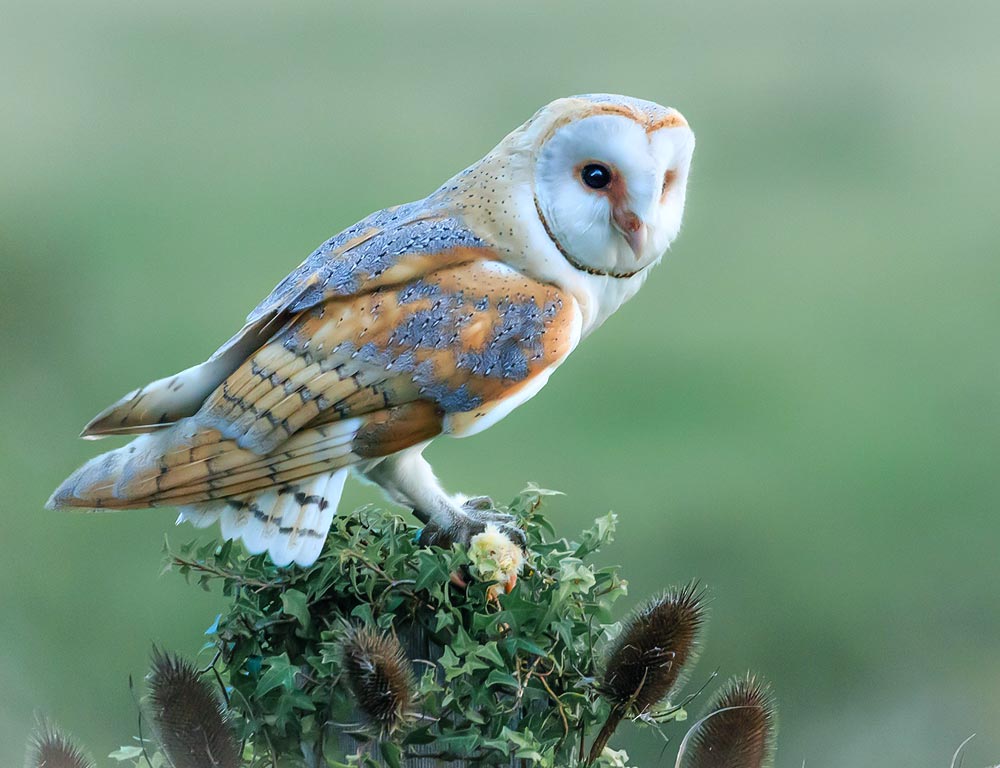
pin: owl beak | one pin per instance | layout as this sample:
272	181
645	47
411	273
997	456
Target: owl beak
632	228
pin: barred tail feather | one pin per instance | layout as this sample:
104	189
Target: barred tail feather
289	522
165	401
280	502
188	463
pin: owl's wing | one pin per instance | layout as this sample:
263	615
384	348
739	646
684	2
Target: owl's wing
389	247
349	379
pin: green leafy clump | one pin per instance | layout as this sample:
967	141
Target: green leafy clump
498	677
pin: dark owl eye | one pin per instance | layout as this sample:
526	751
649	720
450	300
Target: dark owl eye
595	175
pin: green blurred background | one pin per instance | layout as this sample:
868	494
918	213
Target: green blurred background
801	407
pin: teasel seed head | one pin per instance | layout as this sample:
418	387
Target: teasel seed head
49	748
737	730
647	659
189	719
658	641
380	677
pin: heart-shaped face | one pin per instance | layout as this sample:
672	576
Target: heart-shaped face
610	179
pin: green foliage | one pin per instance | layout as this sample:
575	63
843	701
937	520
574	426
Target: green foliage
497	677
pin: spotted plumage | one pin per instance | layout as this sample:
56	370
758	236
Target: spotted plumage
433	317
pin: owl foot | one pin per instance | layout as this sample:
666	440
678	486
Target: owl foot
476	513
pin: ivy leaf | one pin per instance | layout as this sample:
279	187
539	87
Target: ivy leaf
443	620
431	570
392	754
526	645
574	577
600	534
544	491
295	604
280	674
420	736
474	716
448	658
364	613
499	677
126	753
214	629
491	653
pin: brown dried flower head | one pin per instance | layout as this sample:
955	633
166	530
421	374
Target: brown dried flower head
190	720
48	748
658	641
737	730
380	677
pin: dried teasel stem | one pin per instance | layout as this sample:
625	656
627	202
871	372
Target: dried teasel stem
647	659
189	719
610	726
737	730
380	677
49	748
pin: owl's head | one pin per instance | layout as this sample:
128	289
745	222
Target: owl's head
609	179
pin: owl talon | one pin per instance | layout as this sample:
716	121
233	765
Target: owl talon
479	504
473	520
515	534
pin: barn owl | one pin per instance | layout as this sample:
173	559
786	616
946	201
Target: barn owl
437	317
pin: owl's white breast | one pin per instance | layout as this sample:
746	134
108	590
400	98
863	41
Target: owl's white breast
598	296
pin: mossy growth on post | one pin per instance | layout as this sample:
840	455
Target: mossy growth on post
389	653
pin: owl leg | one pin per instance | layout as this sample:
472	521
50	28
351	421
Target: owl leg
408	479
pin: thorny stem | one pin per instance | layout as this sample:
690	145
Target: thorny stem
609	589
270	749
221	573
613	721
212	663
218	678
392	585
367	562
142	741
522	685
562	712
446	757
610	725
